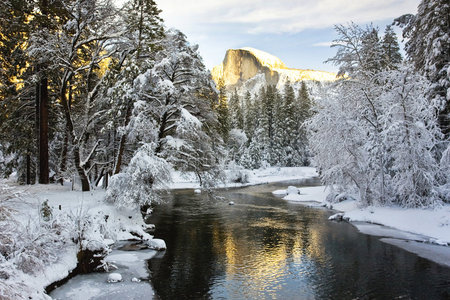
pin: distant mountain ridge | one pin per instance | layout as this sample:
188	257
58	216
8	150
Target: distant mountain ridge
251	67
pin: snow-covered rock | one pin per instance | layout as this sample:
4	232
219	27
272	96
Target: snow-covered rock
134	279
337	217
280	192
197	191
156	244
292	190
114	277
231	203
148	226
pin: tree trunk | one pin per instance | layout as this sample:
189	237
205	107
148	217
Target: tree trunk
63	162
37	122
123	140
162	129
43	132
85	187
70	128
28	175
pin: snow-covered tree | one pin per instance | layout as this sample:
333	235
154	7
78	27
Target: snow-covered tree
391	49
428	48
144	179
371	53
77	48
250	113
349	43
409	131
223	112
374	135
236	116
190	149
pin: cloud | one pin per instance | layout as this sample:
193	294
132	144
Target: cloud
281	16
323	44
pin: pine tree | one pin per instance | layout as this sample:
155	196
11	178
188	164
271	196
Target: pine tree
143	27
236	116
391	49
371	51
250	113
292	138
144	31
428	48
304	104
223	115
17	108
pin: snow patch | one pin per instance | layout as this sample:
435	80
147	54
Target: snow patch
114	277
156	244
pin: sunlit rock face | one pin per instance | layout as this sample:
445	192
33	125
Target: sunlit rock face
251	68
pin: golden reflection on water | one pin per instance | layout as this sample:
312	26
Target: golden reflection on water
261	265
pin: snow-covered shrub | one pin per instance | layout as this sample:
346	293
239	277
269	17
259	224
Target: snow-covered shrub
237	173
46	211
142	182
237	141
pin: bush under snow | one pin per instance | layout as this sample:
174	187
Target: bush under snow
145	177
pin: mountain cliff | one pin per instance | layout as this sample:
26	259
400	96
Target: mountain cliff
249	68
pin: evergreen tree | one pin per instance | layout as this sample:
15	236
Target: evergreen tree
223	114
143	33
250	113
391	50
280	123
143	27
292	138
371	51
428	48
17	108
236	116
304	104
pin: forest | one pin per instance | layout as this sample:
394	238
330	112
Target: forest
90	91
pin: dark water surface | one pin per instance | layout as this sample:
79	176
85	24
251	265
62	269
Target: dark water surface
266	248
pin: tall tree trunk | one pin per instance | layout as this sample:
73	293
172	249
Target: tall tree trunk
71	133
43	132
162	129
63	162
28	173
123	140
37	122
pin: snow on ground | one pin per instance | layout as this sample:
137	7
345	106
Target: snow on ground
254	177
431	227
130	280
307	194
80	215
98	224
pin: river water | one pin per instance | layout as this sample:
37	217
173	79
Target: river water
264	247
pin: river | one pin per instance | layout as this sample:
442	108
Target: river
264	247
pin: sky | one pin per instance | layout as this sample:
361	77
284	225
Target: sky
298	32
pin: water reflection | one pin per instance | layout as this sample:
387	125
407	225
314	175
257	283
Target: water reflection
266	248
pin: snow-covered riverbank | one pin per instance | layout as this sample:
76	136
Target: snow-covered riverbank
403	227
45	226
77	218
242	177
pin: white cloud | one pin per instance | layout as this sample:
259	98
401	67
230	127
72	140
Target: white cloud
323	44
281	16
